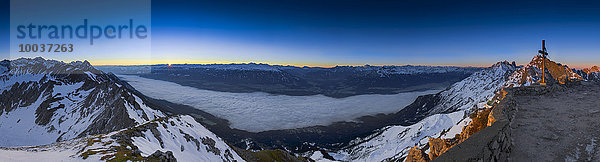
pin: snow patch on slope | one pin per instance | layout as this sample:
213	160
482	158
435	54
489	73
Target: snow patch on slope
19	129
7	81
317	156
187	139
395	141
182	135
456	129
477	88
63	151
137	114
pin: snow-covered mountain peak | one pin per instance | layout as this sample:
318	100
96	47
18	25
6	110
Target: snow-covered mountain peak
440	112
85	65
50	68
74	112
504	64
532	73
45	101
477	88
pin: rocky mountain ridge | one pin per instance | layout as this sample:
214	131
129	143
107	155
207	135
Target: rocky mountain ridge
592	73
51	101
75	112
163	139
437	115
532	73
482	118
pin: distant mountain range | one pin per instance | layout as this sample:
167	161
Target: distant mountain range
339	81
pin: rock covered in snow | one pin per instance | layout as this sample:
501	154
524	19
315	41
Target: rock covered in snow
394	142
479	87
444	112
176	138
45	101
73	112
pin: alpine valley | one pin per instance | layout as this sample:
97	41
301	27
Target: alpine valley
59	111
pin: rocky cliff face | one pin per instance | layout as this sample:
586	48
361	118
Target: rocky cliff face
438	146
72	112
45	101
517	136
484	118
593	69
494	141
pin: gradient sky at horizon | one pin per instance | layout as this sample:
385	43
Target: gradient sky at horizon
328	33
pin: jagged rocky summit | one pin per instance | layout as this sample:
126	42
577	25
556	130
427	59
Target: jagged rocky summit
75	112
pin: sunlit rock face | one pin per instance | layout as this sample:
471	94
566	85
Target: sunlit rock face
592	74
532	73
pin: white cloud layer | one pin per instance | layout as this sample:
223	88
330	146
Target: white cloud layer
260	111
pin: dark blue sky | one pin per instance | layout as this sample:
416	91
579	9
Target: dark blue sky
4	25
327	33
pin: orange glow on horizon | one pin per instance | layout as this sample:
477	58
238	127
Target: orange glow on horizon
170	62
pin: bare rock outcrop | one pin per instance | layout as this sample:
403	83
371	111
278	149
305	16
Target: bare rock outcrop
416	155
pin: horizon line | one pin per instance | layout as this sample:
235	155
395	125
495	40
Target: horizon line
181	62
573	66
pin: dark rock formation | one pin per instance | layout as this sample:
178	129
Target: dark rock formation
160	156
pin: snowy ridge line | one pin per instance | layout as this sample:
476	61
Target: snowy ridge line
39	65
525	76
394	142
73	112
42	106
185	139
444	120
477	88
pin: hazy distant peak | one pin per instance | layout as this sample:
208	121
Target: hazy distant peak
40	65
80	64
593	69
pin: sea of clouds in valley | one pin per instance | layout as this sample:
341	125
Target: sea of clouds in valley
260	111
